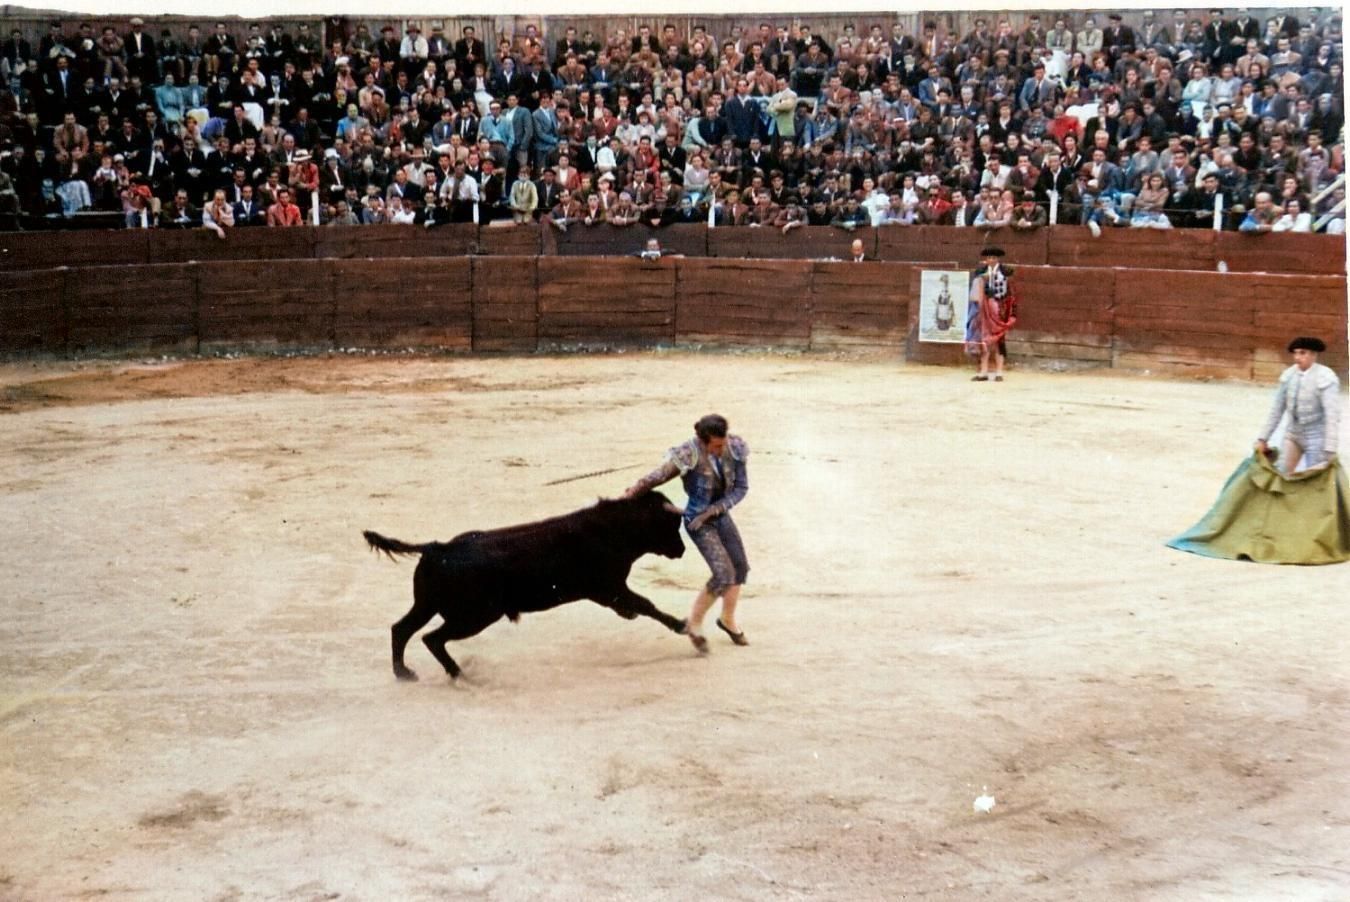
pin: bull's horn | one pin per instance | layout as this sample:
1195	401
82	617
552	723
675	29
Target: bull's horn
672	508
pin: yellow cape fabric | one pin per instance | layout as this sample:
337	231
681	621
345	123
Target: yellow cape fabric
1264	516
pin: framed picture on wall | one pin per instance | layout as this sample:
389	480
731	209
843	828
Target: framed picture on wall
942	305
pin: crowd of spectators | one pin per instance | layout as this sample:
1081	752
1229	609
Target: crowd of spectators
1180	119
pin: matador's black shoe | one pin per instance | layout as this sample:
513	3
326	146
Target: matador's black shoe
738	638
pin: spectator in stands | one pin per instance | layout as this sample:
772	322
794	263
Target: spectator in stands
524	197
1263	217
217	215
1294	218
981	97
1150	203
1029	216
283	212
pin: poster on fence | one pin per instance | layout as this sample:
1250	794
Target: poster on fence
942	305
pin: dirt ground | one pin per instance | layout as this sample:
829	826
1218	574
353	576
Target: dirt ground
953	587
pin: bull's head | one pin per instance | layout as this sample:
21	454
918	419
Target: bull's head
665	526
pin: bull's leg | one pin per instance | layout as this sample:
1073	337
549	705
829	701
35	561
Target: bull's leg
459	624
404	630
628	603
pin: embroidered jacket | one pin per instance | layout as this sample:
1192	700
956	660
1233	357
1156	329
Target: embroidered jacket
1311	400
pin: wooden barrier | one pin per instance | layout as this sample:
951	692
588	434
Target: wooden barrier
1191	249
743	302
505	303
860	305
1280	252
1232	325
626	301
183	245
805	243
146	307
352	242
936	244
32	311
384	303
620	241
509	240
1185	249
269	305
1068	314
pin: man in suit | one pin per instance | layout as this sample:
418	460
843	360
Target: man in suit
645	40
1054	176
1032	38
68	137
142	58
569	43
1218	32
438	46
1105	179
1089	39
1285	25
1117	38
387	47
465	124
469	51
671	156
62	92
545	131
741	114
16	50
247	211
521	124
1241	30
1037	91
548	189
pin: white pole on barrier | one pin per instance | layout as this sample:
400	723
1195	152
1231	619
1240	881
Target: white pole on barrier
145	219
1054	207
314	207
475	212
1218	212
712	212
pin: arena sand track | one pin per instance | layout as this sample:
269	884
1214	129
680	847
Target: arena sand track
954	586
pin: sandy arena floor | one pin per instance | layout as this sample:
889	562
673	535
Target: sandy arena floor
954	586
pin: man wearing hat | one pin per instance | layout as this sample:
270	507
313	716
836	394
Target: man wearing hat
439	48
388	45
992	313
1310	394
414	50
1118	39
140	51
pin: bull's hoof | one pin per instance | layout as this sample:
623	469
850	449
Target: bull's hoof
405	675
681	628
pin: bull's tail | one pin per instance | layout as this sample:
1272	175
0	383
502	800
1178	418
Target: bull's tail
392	547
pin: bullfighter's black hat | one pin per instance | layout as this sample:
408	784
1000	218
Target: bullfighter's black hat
1305	343
992	252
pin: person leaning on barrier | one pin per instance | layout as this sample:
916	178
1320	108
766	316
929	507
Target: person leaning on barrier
1263	218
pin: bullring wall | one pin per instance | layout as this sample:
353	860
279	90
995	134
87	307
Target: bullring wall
1232	325
1191	249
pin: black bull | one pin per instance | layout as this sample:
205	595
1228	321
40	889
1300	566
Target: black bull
477	578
